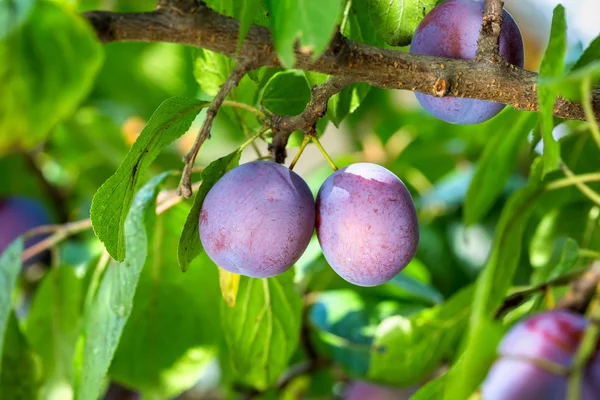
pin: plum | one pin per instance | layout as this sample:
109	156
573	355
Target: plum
519	373
366	224
451	30
17	216
360	390
257	220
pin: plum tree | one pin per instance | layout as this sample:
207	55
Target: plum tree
521	372
366	224
360	390
451	30
17	216
258	219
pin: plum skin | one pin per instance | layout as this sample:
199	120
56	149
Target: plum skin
451	30
552	336
366	224
17	216
257	220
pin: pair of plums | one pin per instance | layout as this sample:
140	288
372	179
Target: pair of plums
258	219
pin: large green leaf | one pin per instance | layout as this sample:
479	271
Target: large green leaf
312	23
492	286
190	246
407	350
47	67
174	326
589	56
495	166
10	266
263	328
53	326
286	93
20	375
396	20
112	201
552	66
211	70
109	311
359	26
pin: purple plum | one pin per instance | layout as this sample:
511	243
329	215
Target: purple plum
257	220
520	372
17	216
366	224
451	30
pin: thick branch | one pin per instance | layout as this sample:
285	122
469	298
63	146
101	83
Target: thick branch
487	44
204	28
283	126
185	186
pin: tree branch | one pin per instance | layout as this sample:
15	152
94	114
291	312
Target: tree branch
197	25
487	44
185	186
283	126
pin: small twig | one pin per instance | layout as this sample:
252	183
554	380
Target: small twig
516	298
487	44
583	188
185	186
588	253
582	291
573	180
283	126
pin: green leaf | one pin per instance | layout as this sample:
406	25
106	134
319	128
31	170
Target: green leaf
589	56
409	349
47	67
10	267
495	166
189	243
552	66
53	327
20	376
111	202
211	70
248	10
359	26
340	105
492	286
263	329
312	23
173	329
416	289
396	21
110	310
570	85
433	389
286	93
13	13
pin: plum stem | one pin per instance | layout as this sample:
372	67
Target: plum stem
573	180
185	185
317	143
583	188
300	151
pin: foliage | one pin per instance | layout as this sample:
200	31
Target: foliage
98	131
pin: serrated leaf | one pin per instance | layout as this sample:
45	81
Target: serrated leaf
495	166
493	284
552	66
189	243
312	23
112	201
47	67
230	284
20	375
396	21
173	330
286	93
10	267
110	310
53	327
407	350
13	13
211	69
263	329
